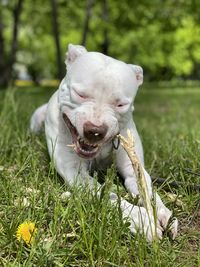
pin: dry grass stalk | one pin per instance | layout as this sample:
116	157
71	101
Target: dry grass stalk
128	144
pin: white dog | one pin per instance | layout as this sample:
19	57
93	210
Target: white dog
92	105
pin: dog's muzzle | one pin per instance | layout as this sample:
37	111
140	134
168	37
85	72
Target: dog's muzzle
89	145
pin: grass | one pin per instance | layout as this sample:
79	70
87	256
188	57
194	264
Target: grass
83	230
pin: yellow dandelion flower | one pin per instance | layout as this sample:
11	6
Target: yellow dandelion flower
26	232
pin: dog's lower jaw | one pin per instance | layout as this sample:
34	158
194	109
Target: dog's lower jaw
86	151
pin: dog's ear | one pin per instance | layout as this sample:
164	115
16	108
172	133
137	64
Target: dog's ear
73	52
138	73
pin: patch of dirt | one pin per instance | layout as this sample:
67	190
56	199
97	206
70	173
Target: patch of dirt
190	227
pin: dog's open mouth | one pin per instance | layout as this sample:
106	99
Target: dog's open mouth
82	147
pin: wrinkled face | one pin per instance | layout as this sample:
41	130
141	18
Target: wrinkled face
100	92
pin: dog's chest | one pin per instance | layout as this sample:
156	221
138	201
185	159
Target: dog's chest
104	158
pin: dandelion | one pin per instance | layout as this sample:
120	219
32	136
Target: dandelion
26	232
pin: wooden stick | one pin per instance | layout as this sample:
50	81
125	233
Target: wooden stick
71	145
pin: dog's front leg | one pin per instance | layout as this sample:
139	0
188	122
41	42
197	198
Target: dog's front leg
140	220
126	170
73	169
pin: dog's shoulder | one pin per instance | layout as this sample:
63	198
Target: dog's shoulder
53	110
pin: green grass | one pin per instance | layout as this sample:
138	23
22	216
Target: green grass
83	230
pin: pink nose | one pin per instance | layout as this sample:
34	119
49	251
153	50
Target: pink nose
94	133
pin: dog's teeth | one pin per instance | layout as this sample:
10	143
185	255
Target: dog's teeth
85	147
80	139
94	145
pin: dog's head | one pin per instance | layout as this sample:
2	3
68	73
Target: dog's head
96	97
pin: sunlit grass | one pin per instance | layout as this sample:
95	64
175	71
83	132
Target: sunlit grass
83	230
25	83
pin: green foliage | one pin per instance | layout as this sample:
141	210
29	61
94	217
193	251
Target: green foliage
186	49
163	37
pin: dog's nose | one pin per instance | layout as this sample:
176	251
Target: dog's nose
94	133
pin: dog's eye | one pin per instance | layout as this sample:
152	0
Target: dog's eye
121	105
82	96
79	94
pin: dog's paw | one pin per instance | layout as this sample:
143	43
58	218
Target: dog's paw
164	216
141	221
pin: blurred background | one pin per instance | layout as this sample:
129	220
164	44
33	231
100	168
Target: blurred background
161	36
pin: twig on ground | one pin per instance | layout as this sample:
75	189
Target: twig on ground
175	183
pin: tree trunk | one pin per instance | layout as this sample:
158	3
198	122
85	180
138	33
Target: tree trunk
105	44
88	14
6	66
56	38
2	59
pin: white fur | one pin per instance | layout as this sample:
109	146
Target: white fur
93	88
